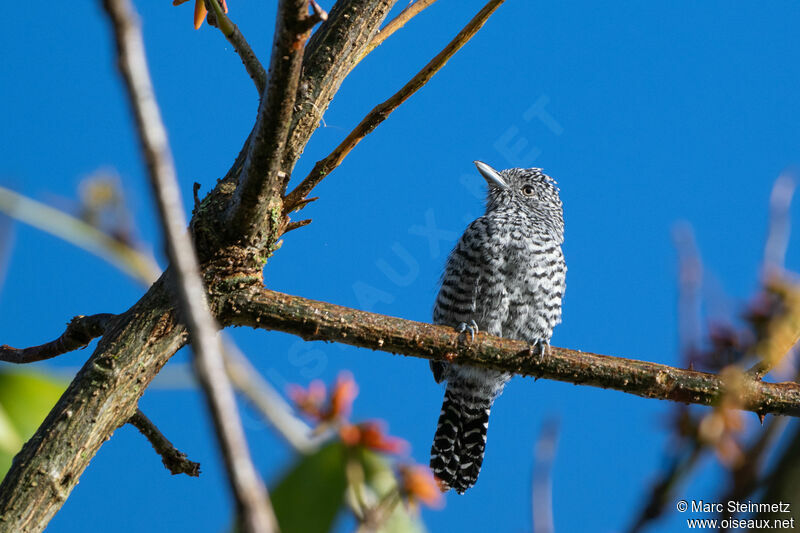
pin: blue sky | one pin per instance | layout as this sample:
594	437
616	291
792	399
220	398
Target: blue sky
646	114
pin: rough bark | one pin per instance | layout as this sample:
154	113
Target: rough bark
102	397
105	392
260	307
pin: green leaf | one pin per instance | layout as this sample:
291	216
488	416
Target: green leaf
310	496
25	400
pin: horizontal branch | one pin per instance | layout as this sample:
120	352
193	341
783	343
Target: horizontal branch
314	320
79	333
174	460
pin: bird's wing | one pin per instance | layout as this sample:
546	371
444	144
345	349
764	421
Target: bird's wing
458	297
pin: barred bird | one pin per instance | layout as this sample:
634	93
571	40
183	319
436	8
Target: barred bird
506	277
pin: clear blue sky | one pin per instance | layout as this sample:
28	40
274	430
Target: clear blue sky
658	112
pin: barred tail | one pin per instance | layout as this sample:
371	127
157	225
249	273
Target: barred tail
460	440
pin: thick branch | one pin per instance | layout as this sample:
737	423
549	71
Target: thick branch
80	332
314	320
331	54
382	111
262	179
248	489
105	393
143	339
174	460
102	397
329	57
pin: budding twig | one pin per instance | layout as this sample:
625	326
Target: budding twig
174	460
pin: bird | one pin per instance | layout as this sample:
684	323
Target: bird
505	277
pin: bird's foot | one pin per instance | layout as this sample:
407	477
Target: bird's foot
472	327
539	350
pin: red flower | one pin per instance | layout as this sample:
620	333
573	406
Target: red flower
312	401
372	435
309	401
344	392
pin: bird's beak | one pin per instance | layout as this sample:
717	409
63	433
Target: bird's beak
491	176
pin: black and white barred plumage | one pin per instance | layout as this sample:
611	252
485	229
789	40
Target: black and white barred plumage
504	277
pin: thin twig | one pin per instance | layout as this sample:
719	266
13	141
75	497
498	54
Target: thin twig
317	15
241	46
79	333
411	11
248	489
774	254
295	225
262	180
174	460
262	308
383	110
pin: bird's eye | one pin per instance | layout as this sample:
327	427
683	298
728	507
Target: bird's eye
527	190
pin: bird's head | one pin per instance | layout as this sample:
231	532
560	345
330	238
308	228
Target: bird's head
527	190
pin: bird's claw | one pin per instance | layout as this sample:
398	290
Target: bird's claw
540	349
472	327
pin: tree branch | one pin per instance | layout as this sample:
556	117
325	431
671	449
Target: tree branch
314	320
242	47
262	179
175	461
102	397
331	54
248	489
142	340
380	112
79	333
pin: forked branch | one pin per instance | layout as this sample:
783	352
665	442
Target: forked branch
104	394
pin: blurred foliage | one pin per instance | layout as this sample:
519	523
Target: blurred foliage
320	486
101	227
25	400
358	467
760	340
316	482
